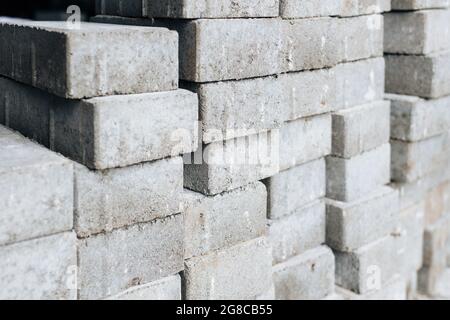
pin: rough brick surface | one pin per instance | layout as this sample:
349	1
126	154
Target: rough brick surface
125	8
418	4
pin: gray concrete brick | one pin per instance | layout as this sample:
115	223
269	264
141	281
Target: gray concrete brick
395	289
196	9
39	269
234	109
294	188
414	119
297	233
121	197
430	280
418	4
417	32
360	129
237	273
36	190
292	9
117	131
310	43
225	220
356	224
113	262
95	60
308	93
304	140
368	268
224	166
437	203
424	76
168	288
350	179
363	7
359	82
124	8
309	276
412	161
360	37
435	243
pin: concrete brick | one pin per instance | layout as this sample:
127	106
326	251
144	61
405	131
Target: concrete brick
351	179
291	9
363	7
411	161
356	224
424	76
435	242
224	166
39	269
368	268
121	197
415	119
294	188
430	280
418	4
225	220
117	131
124	8
195	9
437	203
310	43
308	93
94	60
360	129
168	288
304	140
105	132
359	82
234	109
395	289
240	57
236	273
128	262
309	276
409	234
297	233
417	32
36	190
360	37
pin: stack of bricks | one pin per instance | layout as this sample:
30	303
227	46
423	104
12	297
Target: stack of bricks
417	44
107	98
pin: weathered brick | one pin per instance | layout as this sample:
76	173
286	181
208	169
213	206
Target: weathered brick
363	7
360	129
368	268
125	8
121	197
395	289
168	288
223	166
435	243
290	9
299	232
195	9
356	224
415	119
39	269
351	179
360	38
432	282
417	75
411	161
238	273
359	82
419	4
437	203
309	276
292	189
234	109
417	32
36	190
114	262
225	220
95	60
304	140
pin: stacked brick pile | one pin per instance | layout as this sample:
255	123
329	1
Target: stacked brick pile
417	44
106	97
